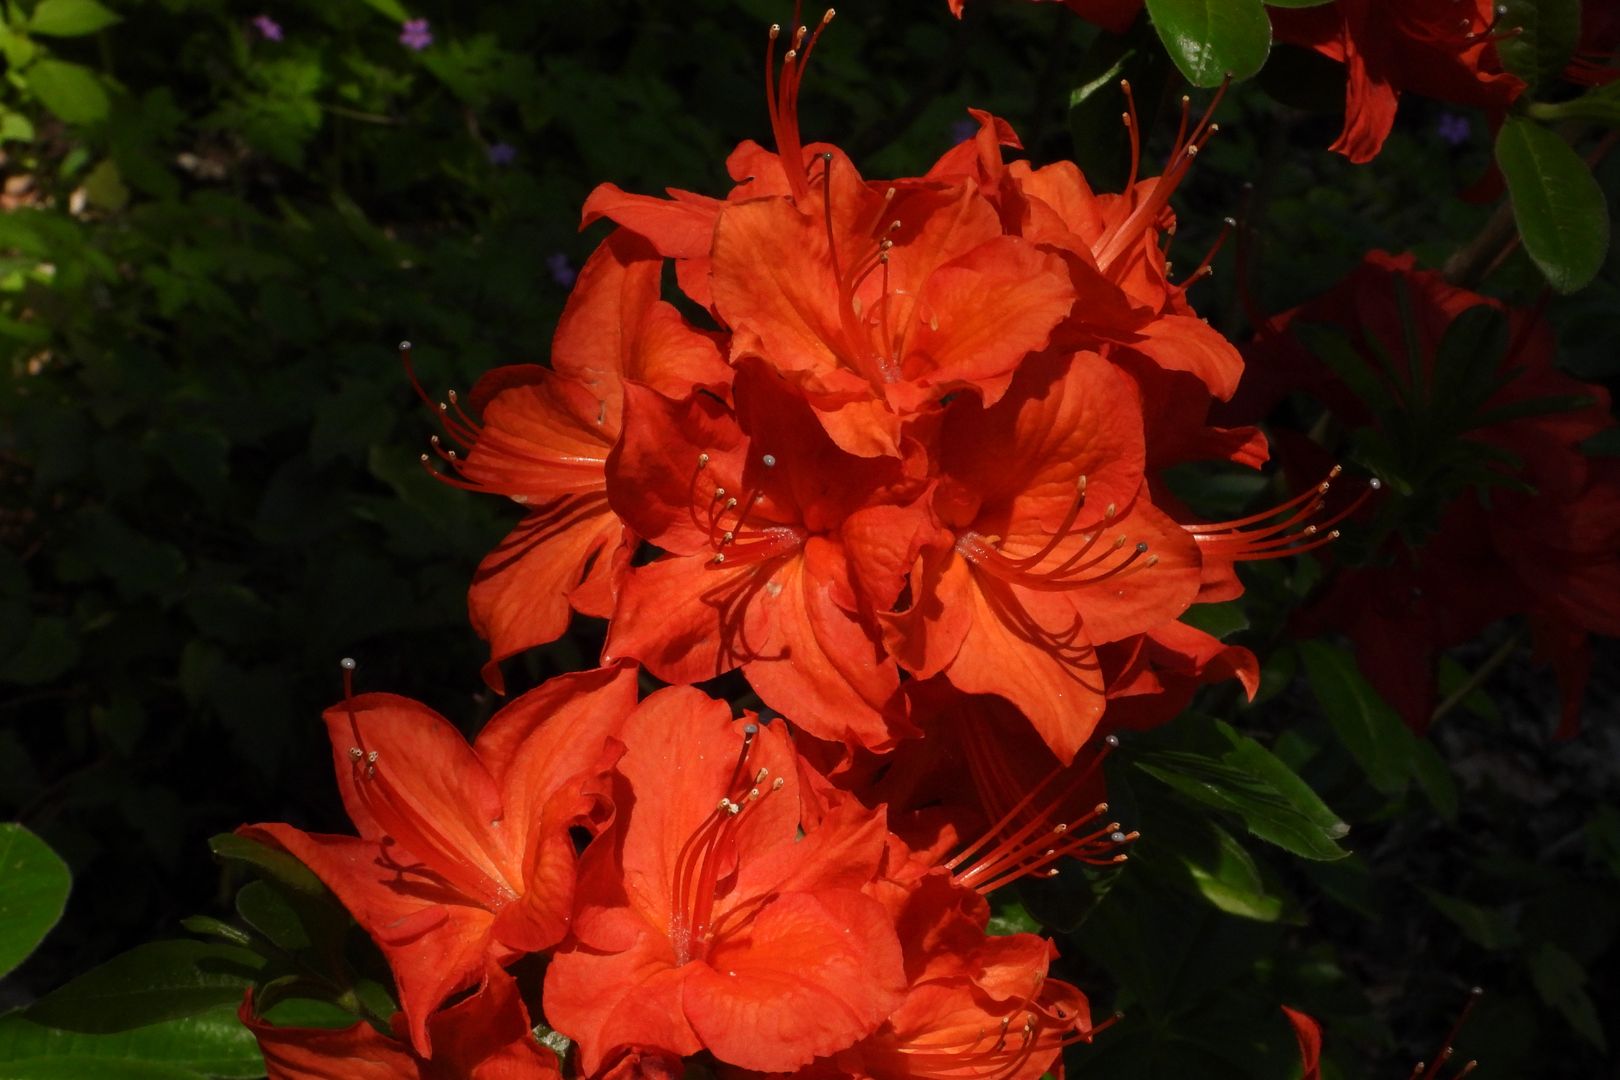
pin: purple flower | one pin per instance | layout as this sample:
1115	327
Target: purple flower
267	27
414	34
502	153
963	130
561	272
1454	129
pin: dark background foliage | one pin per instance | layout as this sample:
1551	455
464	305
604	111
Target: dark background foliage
209	486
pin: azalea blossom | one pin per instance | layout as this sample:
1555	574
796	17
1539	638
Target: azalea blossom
705	921
464	856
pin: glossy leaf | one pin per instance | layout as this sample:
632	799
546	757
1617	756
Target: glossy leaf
1562	215
34	886
1212	39
211	1043
150	984
1369	728
1232	772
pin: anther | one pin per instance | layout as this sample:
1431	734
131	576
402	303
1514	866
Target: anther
347	663
769	461
759	777
355	753
776	785
703	461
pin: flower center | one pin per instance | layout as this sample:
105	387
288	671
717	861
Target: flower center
1082	558
726	520
404	820
710	848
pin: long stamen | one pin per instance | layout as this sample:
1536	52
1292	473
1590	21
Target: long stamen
403	821
1239	540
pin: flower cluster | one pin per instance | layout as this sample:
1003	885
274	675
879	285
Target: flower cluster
894	454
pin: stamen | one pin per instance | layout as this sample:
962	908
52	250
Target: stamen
1239	541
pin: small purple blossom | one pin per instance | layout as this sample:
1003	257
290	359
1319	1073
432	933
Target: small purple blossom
963	130
501	153
1454	129
415	34
561	271
267	27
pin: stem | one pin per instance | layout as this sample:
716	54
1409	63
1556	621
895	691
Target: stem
1468	265
1480	674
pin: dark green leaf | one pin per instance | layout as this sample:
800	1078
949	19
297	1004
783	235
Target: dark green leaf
1217	620
267	911
278	866
1223	769
71	91
150	984
211	1043
1537	37
34	886
1485	927
1562	215
1369	728
1212	39
1561	982
69	18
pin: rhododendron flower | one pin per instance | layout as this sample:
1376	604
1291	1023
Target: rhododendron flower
706	921
544	439
1470	434
485	1036
1047	545
768	526
464	855
1441	49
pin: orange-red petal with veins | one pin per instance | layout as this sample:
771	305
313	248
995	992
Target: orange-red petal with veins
595	335
681	227
606	1001
520	594
979	316
673	358
1187	343
1031	648
815	973
686	620
819	664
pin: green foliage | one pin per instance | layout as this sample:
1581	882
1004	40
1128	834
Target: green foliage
1562	214
34	887
1213	40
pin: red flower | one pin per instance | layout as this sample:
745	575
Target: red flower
777	546
1048	544
486	1036
705	922
1309	1034
464	854
1441	49
544	439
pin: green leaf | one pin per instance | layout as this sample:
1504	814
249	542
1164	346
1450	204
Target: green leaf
211	1043
1228	771
1491	929
1561	982
1562	215
70	18
266	909
34	886
150	984
71	91
275	865
1212	39
1369	728
390	9
1537	37
1217	620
